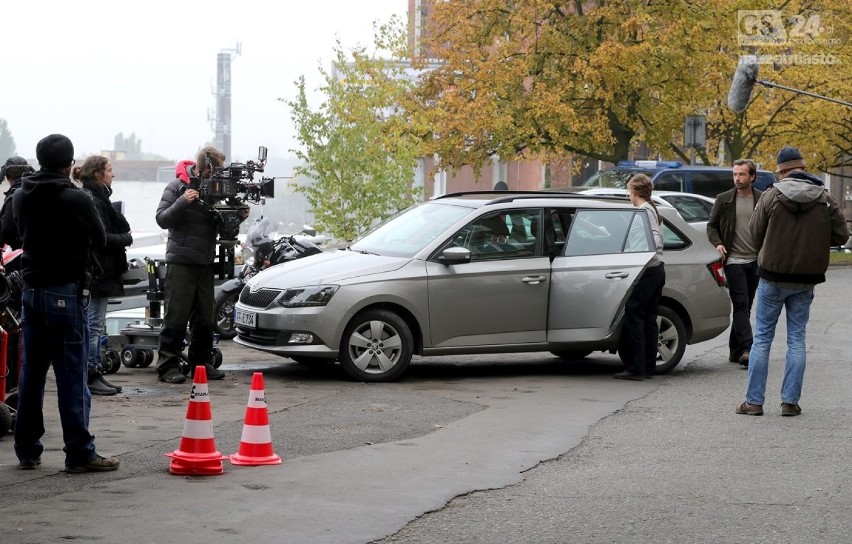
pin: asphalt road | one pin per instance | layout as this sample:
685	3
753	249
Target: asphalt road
510	448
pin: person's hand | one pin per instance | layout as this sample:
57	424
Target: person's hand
722	251
191	195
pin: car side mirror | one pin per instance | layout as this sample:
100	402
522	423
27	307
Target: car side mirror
454	255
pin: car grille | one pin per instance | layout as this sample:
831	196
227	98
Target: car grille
263	337
260	298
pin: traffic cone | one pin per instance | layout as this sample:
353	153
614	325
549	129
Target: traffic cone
256	441
197	453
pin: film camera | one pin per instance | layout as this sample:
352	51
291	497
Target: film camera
226	192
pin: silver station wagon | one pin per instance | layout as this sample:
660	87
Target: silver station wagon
485	272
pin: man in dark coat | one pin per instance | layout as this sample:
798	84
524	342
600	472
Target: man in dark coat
190	269
55	271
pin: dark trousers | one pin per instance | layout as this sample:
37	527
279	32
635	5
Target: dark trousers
55	334
742	284
640	323
189	297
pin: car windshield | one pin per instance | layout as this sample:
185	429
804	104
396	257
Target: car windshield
613	178
411	230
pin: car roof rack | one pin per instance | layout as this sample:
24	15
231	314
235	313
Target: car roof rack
510	196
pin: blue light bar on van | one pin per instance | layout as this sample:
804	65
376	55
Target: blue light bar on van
650	164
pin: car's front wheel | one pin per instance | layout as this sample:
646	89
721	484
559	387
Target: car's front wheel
671	340
377	346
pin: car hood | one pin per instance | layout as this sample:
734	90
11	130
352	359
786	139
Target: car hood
326	268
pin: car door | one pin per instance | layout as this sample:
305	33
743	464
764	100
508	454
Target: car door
603	256
498	298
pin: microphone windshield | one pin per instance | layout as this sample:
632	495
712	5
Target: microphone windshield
744	79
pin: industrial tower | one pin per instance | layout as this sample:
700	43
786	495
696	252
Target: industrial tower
222	117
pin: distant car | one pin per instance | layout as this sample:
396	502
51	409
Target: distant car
693	208
485	273
675	176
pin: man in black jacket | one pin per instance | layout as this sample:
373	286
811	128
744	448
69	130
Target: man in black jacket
190	254
728	231
59	226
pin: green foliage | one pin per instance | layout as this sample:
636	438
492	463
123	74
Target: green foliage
131	146
7	143
355	146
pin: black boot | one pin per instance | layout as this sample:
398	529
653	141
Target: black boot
108	384
96	385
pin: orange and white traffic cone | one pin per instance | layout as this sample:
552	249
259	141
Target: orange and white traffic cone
256	441
197	453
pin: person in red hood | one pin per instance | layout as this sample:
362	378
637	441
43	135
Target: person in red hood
190	270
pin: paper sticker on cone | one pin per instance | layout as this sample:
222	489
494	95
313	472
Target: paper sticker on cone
256	441
197	453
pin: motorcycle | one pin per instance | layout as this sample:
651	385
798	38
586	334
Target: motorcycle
259	252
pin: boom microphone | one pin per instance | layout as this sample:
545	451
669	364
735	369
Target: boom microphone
744	80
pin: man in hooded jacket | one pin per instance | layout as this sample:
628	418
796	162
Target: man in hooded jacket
793	227
55	271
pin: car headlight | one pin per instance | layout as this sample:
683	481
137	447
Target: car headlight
302	297
248	256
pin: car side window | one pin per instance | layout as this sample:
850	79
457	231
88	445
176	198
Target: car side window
690	208
673	239
711	183
669	181
506	234
599	232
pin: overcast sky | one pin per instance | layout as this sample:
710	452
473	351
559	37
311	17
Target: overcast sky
93	68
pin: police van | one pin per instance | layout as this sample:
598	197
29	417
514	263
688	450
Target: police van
675	176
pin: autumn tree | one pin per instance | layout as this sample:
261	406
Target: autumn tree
540	78
355	146
543	77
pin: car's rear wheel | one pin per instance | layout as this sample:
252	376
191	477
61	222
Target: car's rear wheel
671	341
572	354
377	346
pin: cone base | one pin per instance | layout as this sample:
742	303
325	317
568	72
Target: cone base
188	457
247	460
181	467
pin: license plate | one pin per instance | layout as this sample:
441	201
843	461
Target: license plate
246	319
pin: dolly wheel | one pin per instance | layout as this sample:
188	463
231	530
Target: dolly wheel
129	358
111	362
147	358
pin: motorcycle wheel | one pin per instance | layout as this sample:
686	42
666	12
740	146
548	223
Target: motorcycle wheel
223	314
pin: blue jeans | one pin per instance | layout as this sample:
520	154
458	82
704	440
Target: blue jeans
768	303
96	314
54	332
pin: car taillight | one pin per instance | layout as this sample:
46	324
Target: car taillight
717	270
